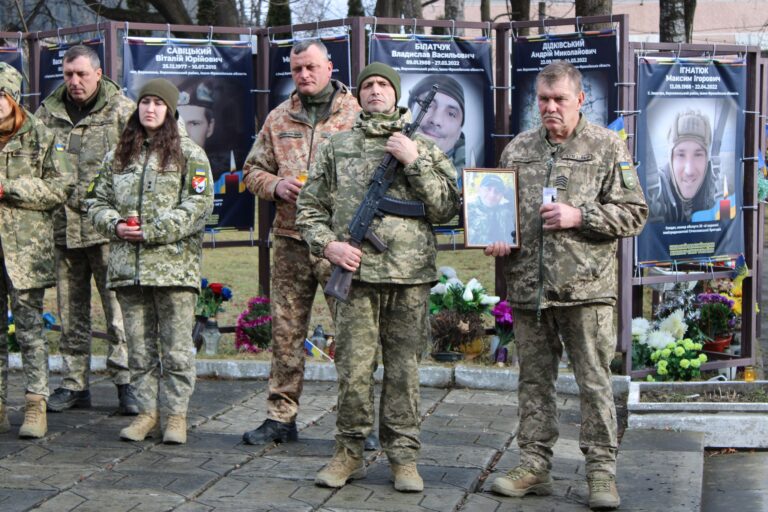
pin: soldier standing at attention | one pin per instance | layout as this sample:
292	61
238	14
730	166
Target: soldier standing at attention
87	113
388	299
562	282
275	170
152	199
35	178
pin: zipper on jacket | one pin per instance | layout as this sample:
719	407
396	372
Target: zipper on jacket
550	163
136	280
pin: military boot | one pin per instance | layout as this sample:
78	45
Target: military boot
603	494
521	481
5	425
146	424
63	399
407	478
344	466
35	422
272	431
128	404
175	430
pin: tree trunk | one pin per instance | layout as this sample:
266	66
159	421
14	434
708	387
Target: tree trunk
355	8
594	8
521	11
278	14
690	10
454	10
672	21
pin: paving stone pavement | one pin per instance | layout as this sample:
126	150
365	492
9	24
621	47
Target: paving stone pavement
467	435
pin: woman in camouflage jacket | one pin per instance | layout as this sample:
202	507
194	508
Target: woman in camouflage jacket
152	199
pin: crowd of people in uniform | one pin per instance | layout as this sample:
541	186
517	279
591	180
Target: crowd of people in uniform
95	185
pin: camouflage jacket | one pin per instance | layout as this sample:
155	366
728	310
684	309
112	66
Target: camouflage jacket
36	178
286	145
86	145
489	224
173	204
339	179
592	171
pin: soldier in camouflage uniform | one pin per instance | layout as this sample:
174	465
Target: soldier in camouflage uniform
286	146
87	113
388	300
152	199
562	280
490	216
35	178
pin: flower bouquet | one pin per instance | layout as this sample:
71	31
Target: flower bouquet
209	302
456	313
716	320
505	322
253	332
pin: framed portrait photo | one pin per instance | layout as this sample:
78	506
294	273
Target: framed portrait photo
490	207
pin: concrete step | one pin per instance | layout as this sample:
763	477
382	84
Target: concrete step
736	481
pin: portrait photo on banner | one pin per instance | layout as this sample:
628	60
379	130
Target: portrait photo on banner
490	207
690	160
455	120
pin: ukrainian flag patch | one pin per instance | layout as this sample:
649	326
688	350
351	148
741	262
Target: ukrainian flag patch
200	181
58	147
628	178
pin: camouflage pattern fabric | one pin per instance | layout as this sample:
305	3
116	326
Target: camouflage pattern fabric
158	322
489	224
173	204
35	178
287	144
397	316
85	146
339	179
592	171
295	276
74	268
587	332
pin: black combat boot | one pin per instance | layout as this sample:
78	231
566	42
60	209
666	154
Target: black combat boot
128	404
63	399
272	431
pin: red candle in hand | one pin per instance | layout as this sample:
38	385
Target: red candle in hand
132	219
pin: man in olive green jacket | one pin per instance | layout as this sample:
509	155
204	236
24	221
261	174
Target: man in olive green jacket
87	113
35	178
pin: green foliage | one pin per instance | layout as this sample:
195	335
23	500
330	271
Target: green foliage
279	13
680	360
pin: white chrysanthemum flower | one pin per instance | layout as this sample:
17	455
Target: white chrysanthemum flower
474	284
489	300
439	289
448	272
659	339
640	328
675	324
454	282
467	295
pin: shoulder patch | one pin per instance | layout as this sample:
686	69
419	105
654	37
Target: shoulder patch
198	176
628	178
58	147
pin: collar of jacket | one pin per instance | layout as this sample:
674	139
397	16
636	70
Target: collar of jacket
55	101
377	124
547	147
299	113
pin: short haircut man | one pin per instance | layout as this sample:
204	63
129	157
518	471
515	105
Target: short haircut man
196	109
445	120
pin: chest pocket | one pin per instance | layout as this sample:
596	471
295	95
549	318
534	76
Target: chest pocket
576	178
23	162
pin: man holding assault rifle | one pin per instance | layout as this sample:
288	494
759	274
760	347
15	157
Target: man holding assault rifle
392	269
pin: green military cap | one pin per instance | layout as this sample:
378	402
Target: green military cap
164	90
10	81
382	70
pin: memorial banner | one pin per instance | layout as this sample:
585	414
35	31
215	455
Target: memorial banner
595	54
460	119
215	79
280	81
690	143
52	62
12	55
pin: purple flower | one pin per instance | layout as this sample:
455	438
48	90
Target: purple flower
502	312
226	293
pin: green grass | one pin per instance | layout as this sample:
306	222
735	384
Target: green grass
237	267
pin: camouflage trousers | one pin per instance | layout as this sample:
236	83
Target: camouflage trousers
27	309
74	268
396	316
587	332
158	327
295	277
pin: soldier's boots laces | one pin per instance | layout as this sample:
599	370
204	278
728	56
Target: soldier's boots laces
35	422
272	431
523	480
344	466
5	425
146	424
128	404
63	399
371	443
407	478
603	494
175	430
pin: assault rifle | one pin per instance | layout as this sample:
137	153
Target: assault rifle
375	203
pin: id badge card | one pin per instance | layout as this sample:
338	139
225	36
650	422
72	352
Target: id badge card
550	195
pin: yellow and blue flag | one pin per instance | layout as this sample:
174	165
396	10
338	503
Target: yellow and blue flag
618	126
313	350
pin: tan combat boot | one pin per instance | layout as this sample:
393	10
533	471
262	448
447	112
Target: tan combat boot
5	425
175	430
146	424
407	478
35	422
343	466
521	481
603	494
